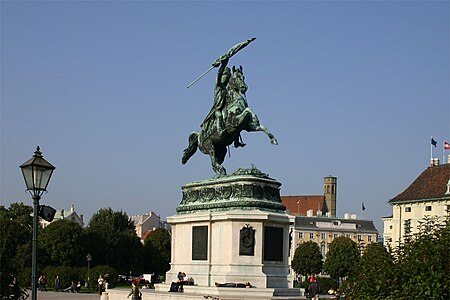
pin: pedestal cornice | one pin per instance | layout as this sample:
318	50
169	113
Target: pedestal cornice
246	189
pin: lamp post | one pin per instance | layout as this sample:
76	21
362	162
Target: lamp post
88	258
36	173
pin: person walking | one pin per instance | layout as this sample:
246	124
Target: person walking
57	283
135	293
314	288
100	284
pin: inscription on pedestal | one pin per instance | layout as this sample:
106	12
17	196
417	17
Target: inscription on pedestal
200	243
273	243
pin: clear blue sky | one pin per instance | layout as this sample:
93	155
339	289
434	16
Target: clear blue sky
353	89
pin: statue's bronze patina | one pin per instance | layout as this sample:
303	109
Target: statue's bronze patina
228	116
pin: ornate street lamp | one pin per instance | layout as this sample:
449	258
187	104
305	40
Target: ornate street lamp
88	258
36	172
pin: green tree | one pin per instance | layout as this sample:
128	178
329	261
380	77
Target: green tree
22	213
157	249
127	253
63	242
342	257
422	264
112	240
373	276
307	259
111	222
14	235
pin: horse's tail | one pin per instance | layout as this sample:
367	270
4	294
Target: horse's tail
192	148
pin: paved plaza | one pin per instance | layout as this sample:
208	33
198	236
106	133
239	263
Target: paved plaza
62	295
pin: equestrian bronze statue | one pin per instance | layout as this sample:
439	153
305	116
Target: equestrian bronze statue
229	115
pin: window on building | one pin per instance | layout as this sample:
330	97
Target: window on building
408	209
311	236
335	235
369	238
300	235
407	229
322	249
323	236
428	208
347	235
359	237
390	227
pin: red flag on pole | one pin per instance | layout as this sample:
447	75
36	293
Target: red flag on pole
446	146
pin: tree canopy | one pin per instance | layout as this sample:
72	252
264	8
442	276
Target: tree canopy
372	277
307	259
342	257
419	268
15	233
21	213
422	264
157	249
111	222
63	242
112	240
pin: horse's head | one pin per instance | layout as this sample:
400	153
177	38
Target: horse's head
237	82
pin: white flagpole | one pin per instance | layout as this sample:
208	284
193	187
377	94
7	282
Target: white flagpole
443	153
431	150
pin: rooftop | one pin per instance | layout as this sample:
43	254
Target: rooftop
331	223
431	184
299	205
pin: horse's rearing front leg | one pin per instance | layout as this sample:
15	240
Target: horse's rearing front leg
254	125
272	138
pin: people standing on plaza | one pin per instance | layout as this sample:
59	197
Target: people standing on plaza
57	283
106	281
135	293
314	288
78	287
42	283
100	284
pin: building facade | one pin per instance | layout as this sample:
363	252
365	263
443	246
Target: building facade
313	218
62	214
323	230
428	196
146	223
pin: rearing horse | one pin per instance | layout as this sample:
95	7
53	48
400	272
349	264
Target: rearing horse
237	117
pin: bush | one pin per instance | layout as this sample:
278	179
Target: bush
303	285
66	275
418	268
326	283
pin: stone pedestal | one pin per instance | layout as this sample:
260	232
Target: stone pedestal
232	229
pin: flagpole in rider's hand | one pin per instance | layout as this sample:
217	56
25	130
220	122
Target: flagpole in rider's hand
233	50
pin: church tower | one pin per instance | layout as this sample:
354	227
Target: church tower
330	192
